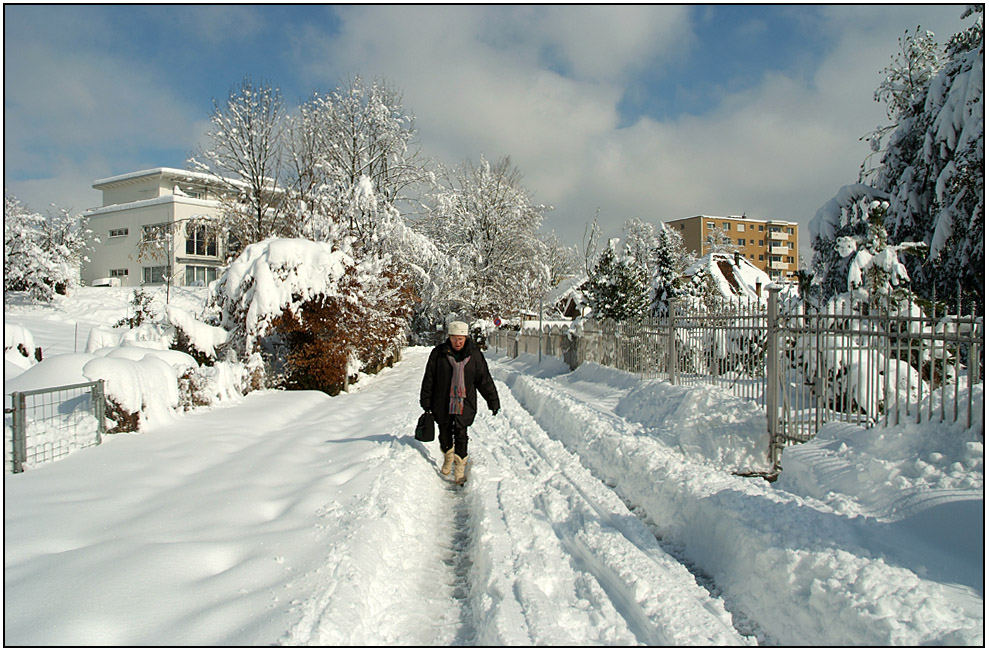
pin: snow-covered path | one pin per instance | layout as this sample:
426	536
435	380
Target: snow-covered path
295	518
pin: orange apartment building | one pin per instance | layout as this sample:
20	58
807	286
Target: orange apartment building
770	245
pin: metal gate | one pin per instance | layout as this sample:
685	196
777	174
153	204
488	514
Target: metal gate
47	424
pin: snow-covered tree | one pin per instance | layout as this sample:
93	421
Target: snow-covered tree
719	242
931	169
640	241
355	159
42	253
486	220
244	154
669	259
618	288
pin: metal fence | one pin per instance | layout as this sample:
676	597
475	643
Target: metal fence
43	425
806	367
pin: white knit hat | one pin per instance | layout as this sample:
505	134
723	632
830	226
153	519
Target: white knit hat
456	328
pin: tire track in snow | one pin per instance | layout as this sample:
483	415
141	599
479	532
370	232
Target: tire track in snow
577	556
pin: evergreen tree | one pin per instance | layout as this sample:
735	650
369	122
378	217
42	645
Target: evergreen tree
931	169
669	260
618	288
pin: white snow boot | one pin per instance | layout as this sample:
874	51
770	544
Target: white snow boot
447	462
459	469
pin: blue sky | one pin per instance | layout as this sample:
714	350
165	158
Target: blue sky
656	112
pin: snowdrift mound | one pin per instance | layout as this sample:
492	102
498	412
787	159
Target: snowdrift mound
705	424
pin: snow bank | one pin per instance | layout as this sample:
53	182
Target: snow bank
805	573
706	424
924	483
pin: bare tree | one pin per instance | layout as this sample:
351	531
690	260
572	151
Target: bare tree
355	143
244	155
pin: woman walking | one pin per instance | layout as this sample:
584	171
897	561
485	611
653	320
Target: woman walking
455	372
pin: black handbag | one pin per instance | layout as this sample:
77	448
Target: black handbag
425	430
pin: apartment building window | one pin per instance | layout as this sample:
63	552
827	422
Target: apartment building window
199	275
789	230
762	257
118	272
741	242
710	225
740	227
118	233
154	274
762	243
760	227
200	240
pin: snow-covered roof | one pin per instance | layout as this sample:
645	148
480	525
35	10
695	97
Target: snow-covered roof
565	288
169	172
732	279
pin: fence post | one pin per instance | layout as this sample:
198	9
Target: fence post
773	373
19	443
99	407
671	356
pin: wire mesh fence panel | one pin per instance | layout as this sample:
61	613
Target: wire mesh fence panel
47	424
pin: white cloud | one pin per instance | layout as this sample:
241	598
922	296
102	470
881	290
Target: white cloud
543	85
77	113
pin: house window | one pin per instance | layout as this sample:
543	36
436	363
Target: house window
199	275
154	274
118	272
200	240
118	233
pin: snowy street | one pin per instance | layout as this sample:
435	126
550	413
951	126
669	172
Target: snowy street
294	518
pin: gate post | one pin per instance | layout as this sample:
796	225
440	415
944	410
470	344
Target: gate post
773	374
99	409
19	444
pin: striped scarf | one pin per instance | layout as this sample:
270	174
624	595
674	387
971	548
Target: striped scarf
458	390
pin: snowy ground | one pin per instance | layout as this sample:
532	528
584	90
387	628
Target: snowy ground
601	510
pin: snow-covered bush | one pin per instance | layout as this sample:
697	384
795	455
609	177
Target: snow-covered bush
198	339
18	348
316	315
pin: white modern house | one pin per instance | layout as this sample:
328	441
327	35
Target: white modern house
139	211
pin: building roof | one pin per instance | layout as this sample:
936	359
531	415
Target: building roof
735	217
170	172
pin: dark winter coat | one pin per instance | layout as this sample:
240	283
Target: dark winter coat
435	392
